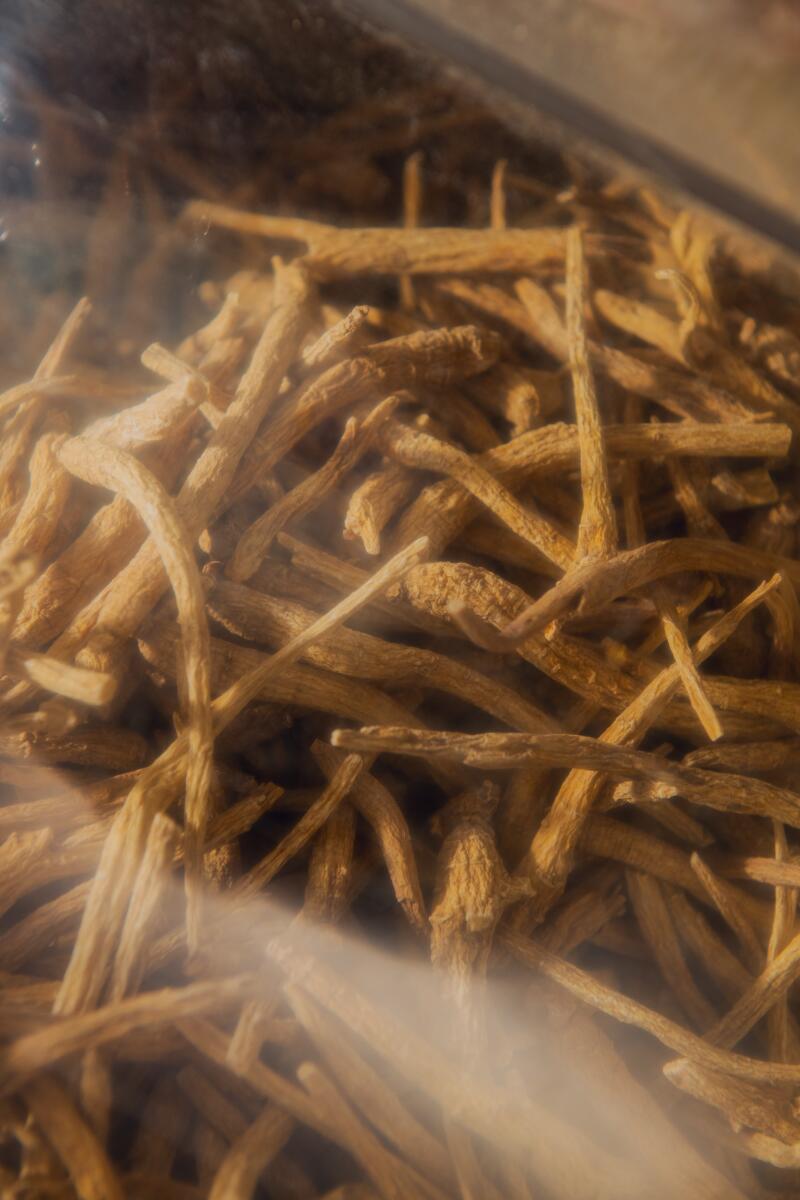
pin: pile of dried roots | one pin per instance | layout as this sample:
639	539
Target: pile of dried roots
399	707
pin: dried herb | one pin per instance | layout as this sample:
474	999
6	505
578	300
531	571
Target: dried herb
427	684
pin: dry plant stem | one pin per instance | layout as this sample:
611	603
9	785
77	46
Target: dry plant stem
773	982
784	653
342	576
19	429
391	1180
748	757
767	1149
412	211
149	893
524	803
639	319
675	634
30	936
213	1105
91	1172
749	488
729	911
707	947
472	890
654	920
96	1093
330	867
700	522
238	1173
253	546
587	912
28	991
235	821
264	1081
159	417
472	1182
163	362
461	421
162	1129
368	1090
16	397
335	343
311	821
334	253
742	1103
522	399
123	848
679	823
29	862
500	751
9	515
106	467
17	436
416	449
374	502
732	1150
782	928
250	1032
222	325
94	688
86	745
497	198
16	573
761	870
597	533
380	809
597	995
51	1043
41	510
491	302
694	243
